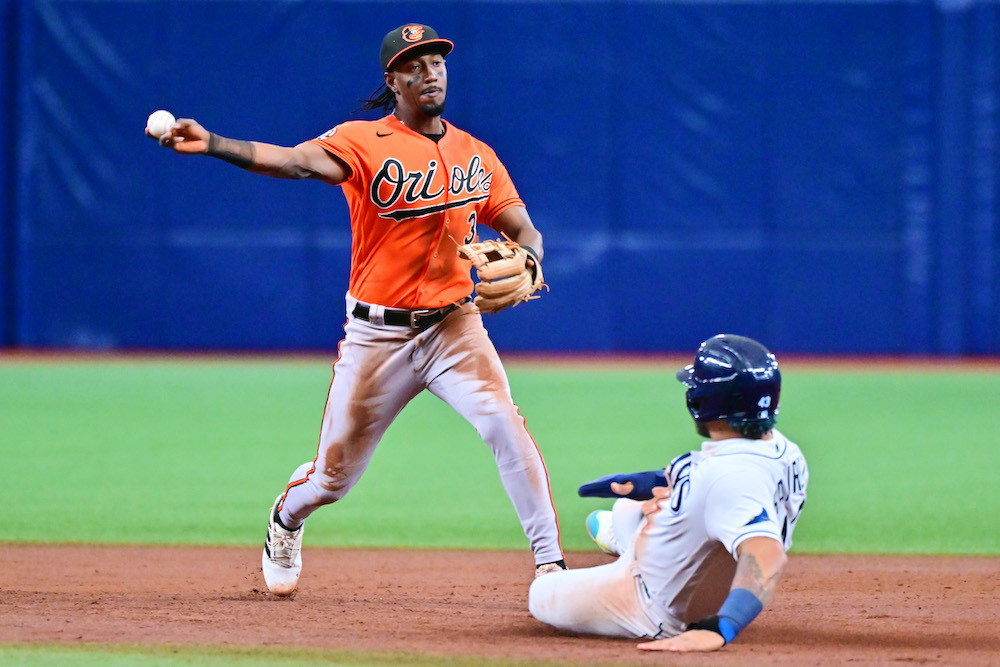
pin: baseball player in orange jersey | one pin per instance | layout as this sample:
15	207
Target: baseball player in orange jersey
416	187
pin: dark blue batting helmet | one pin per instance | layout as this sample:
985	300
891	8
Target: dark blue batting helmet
733	378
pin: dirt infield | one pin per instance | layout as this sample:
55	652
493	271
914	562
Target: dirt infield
860	610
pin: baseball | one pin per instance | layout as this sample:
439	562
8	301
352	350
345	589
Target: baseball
159	122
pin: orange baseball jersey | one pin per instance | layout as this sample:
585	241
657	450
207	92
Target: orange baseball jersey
411	200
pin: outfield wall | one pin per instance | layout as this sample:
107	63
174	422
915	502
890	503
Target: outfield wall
820	175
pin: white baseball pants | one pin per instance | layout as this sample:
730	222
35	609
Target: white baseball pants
381	368
608	599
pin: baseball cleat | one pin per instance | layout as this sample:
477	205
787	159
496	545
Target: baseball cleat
281	561
600	530
554	566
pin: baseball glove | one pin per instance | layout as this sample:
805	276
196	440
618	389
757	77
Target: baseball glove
508	273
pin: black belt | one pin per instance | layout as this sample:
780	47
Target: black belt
415	319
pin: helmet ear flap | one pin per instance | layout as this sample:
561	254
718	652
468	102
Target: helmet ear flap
694	405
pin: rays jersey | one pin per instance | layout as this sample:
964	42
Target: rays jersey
727	492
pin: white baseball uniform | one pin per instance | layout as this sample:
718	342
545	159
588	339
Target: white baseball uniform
679	561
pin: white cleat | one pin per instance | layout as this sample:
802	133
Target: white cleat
600	530
281	561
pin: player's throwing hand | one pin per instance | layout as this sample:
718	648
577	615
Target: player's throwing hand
186	136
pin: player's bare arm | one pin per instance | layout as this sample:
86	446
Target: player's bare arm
515	223
758	569
305	160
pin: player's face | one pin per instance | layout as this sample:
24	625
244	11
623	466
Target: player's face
421	83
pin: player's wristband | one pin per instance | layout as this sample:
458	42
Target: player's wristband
531	251
737	612
535	262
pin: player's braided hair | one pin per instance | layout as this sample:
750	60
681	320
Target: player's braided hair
383	98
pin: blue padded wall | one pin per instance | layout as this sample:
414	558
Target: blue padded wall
822	176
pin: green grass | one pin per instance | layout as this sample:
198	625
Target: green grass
194	450
104	655
902	462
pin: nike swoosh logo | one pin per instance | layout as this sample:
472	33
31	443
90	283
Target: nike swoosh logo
379	134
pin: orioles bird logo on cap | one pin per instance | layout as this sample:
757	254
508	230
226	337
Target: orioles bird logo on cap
413	33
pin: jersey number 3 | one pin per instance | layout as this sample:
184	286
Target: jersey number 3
471	236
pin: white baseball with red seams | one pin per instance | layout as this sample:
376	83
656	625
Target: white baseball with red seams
159	122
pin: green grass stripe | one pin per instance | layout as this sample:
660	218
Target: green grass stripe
193	451
112	655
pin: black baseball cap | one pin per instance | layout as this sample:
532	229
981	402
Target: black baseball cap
407	38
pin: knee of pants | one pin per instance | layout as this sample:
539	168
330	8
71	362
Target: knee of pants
330	489
507	437
541	598
323	488
626	517
338	468
500	424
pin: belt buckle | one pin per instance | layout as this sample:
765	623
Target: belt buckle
414	314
